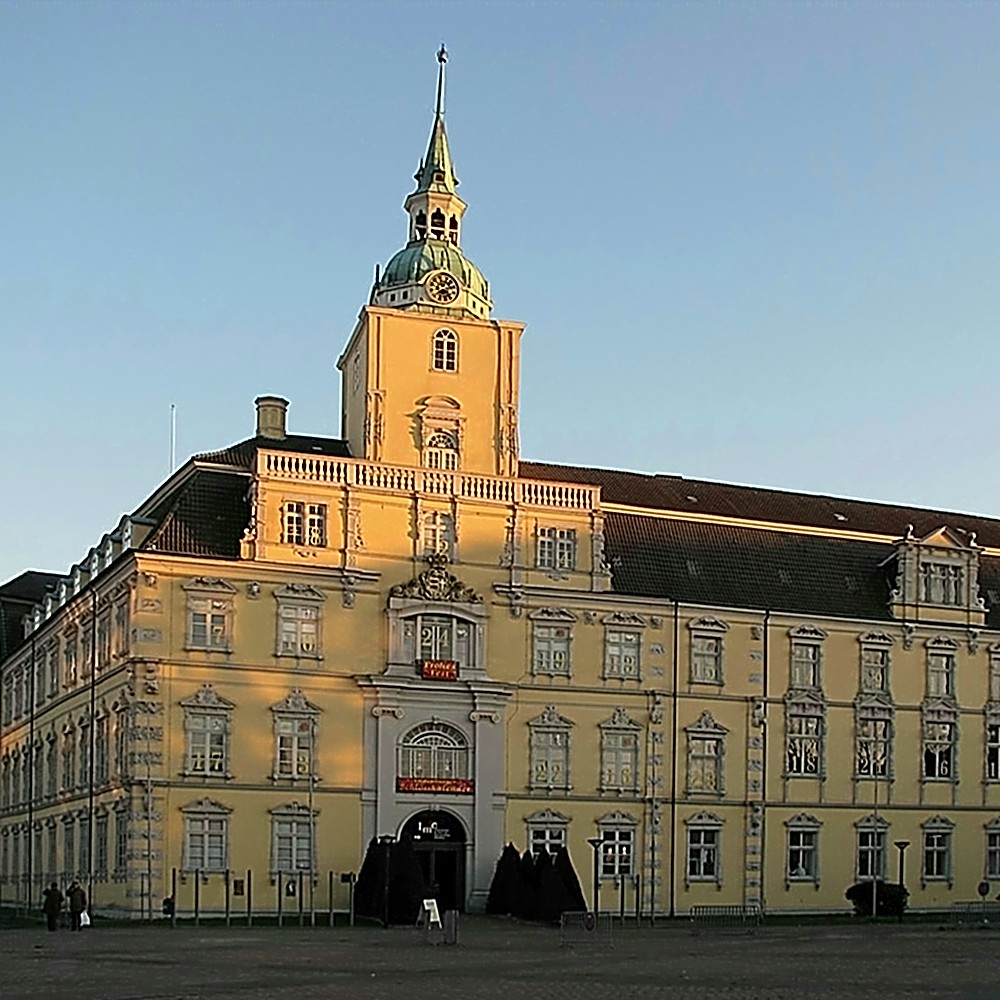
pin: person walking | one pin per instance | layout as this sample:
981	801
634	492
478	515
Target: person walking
77	904
52	904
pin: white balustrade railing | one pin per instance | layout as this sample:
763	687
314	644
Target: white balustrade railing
401	479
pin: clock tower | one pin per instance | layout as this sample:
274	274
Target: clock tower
428	377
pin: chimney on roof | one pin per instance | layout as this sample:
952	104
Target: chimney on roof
271	414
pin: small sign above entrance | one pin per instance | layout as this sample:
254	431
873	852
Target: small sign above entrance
454	786
439	670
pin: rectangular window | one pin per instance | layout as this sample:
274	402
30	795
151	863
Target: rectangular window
706	659
69	847
805	664
703	854
704	771
940	674
101	845
52	768
619	760
616	851
84	845
872	756
939	750
121	842
874	669
101	768
804	749
53	671
937	855
942	584
547	838
995	678
52	851
551	649
556	548
871	854
69	659
993	854
294	748
207	743
205	843
993	752
208	623
802	855
549	758
292	844
304	524
621	654
298	630
84	756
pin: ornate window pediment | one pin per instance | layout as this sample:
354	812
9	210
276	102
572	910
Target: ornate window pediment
624	618
804	819
707	623
706	724
436	584
299	592
295	703
210	584
206	697
619	720
704	819
207	805
552	615
551	816
550	717
807	632
876	639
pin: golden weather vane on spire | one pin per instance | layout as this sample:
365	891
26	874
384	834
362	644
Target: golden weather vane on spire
442	58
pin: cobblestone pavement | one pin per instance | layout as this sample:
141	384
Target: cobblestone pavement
500	959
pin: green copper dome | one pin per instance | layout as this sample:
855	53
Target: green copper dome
419	258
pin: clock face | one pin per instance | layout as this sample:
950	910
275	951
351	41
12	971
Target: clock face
442	287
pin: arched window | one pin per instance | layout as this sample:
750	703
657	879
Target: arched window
444	357
420	225
433	750
441	451
453	230
437	224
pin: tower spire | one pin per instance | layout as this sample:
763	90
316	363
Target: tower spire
436	172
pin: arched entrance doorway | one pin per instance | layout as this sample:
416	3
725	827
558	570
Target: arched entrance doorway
438	840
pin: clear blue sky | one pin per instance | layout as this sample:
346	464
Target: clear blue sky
754	242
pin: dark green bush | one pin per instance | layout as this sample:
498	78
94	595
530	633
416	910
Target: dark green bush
891	897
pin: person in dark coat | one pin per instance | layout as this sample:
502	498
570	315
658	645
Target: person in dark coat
52	904
77	904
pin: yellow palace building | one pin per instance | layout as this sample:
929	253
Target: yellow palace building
299	643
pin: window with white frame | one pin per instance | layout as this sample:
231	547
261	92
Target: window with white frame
207	722
802	849
805	664
707	635
304	523
295	737
622	650
547	831
992	750
942	583
939	750
299	620
993	850
444	353
441	451
439	637
438	534
292	839
937	835
555	548
705	756
209	614
873	742
433	750
870	852
704	833
617	833
941	668
549	748
550	649
206	836
804	743
875	651
619	753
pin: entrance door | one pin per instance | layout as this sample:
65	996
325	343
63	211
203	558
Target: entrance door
439	846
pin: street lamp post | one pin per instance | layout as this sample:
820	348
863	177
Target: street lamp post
901	846
595	843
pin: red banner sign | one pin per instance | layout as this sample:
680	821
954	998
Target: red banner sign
450	786
439	670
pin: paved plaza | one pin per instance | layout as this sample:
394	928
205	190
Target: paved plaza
499	959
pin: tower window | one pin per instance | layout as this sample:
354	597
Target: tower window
437	224
441	451
420	225
444	357
453	230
